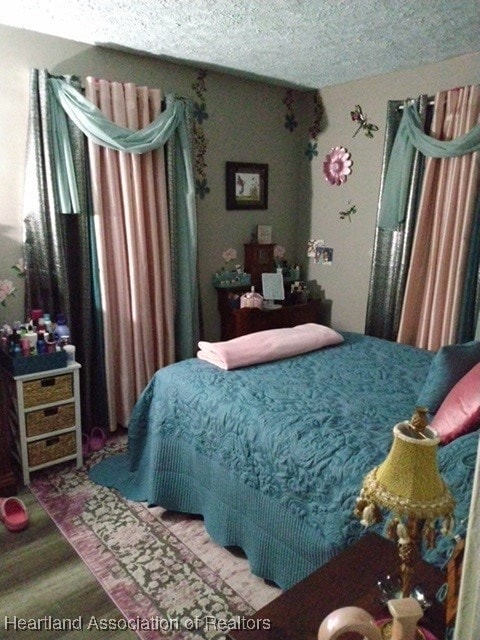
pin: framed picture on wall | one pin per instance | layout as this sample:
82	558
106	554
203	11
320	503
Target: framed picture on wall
247	185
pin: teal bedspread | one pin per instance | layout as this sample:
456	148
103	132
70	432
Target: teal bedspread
273	455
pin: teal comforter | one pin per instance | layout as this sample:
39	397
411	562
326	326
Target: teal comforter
273	455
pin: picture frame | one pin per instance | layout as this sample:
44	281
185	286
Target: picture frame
246	185
264	234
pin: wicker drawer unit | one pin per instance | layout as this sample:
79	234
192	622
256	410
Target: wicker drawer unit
48	422
47	389
51	449
51	419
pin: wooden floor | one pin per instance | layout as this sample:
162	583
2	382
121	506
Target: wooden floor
41	575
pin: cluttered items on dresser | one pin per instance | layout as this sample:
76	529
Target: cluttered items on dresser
39	344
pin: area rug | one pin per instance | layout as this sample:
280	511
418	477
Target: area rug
161	569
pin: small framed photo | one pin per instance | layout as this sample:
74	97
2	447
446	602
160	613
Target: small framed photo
264	234
246	185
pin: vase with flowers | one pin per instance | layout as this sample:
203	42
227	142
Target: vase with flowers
231	273
291	272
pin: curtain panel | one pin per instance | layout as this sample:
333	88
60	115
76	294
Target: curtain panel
392	246
132	235
183	246
169	125
427	225
411	136
441	253
59	278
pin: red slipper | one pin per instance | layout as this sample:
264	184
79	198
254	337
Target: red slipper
13	513
97	439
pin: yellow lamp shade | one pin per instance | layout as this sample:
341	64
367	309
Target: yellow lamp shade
410	470
408	482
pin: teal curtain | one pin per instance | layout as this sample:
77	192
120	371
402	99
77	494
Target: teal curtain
58	246
410	136
170	125
470	310
183	234
392	247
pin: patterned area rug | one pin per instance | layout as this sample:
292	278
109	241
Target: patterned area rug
160	568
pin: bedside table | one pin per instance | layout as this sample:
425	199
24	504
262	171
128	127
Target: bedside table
42	415
349	579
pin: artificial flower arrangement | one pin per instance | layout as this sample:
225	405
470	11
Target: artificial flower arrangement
291	272
230	273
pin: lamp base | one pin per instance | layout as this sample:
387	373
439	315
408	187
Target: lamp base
386	626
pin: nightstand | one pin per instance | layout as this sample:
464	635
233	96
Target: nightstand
42	415
349	579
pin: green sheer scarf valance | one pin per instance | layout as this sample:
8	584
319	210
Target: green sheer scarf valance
97	127
410	136
103	131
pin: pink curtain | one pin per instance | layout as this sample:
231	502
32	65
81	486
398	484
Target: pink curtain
438	263
132	238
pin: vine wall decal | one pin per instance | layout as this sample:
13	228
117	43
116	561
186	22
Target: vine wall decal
290	120
200	114
314	129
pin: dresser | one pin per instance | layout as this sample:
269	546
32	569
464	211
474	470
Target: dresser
41	419
8	478
236	322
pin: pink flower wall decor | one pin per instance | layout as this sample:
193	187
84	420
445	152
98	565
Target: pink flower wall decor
337	166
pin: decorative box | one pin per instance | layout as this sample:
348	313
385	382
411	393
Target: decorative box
21	365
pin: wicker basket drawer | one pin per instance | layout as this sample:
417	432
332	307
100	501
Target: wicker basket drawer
54	448
49	389
50	419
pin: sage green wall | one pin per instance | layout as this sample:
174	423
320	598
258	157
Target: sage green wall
245	123
346	280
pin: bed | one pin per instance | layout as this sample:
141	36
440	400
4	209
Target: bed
273	455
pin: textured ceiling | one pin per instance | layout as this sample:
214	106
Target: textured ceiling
304	43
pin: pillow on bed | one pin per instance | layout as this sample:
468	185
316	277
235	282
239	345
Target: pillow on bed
449	365
459	413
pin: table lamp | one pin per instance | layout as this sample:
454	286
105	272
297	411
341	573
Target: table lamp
408	485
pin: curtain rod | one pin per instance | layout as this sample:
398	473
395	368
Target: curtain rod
430	103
